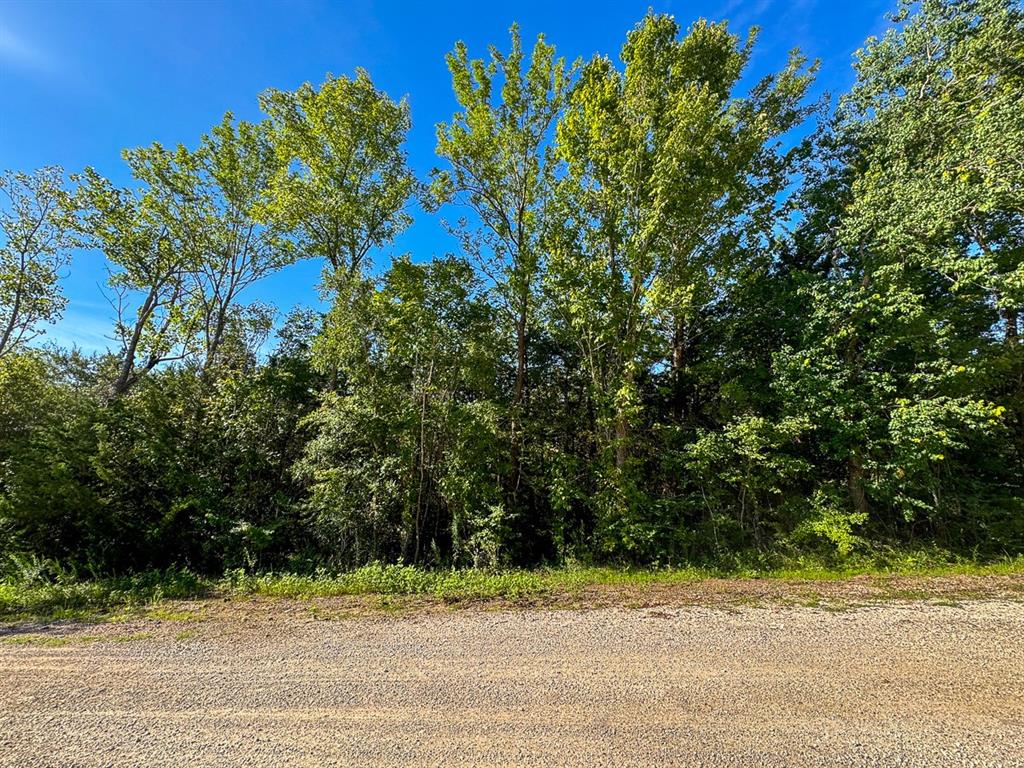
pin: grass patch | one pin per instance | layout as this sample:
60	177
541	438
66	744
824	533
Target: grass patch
67	599
50	641
131	638
47	641
146	595
392	580
159	612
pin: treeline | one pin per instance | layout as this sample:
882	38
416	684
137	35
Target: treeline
675	329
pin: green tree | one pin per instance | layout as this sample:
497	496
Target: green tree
501	166
917	225
183	247
403	458
37	231
669	176
48	506
344	182
149	269
936	105
238	239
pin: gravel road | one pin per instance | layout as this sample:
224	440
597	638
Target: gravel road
914	684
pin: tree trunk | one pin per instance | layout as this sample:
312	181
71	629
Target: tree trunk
9	330
678	362
1010	317
15	309
855	480
215	340
124	375
519	396
423	464
621	441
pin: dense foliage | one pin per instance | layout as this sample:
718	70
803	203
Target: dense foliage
690	319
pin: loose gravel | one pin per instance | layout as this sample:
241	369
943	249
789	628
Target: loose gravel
915	684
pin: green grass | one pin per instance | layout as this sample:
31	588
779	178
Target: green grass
145	594
394	580
450	585
45	641
49	641
68	599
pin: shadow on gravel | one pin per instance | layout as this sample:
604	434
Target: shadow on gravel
31	628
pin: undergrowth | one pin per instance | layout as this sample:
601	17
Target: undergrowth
62	596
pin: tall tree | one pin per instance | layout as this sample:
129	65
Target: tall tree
921	227
238	238
344	181
937	107
36	224
201	229
501	166
670	177
141	235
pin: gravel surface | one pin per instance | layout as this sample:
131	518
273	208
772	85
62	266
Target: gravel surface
914	684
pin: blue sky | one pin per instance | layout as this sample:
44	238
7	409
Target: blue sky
81	81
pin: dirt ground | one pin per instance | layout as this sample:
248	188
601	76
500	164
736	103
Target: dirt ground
712	673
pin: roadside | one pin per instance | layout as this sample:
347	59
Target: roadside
220	612
395	587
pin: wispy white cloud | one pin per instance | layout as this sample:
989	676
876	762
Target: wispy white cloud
88	330
742	13
17	50
724	10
